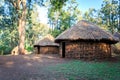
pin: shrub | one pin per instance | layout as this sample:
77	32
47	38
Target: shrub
29	48
4	50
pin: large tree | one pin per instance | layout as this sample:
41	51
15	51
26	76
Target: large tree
109	14
21	10
106	17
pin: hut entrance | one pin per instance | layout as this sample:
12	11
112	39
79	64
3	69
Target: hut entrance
38	49
63	49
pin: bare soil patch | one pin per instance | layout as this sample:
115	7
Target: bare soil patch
29	67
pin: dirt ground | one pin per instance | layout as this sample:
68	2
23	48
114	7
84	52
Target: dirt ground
35	67
29	67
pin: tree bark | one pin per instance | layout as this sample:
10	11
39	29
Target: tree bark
21	11
21	28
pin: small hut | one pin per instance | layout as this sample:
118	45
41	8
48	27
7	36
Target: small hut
85	40
116	47
46	46
117	34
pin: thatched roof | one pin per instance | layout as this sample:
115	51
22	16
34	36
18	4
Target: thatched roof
86	31
117	34
46	41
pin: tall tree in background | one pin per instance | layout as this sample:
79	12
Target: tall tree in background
8	27
107	17
109	14
34	29
90	15
63	18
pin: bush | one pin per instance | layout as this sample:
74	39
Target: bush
29	48
4	50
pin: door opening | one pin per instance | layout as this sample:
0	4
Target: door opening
63	49
38	49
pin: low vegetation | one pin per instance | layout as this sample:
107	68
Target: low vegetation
76	70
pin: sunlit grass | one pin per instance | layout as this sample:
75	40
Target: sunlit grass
88	70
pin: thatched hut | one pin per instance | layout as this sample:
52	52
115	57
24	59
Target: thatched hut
85	40
117	34
116	47
47	46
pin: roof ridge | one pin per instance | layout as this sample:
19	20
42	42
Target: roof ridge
85	30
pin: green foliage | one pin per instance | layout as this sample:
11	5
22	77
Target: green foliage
9	16
4	50
55	32
29	48
63	18
90	15
57	4
8	28
106	17
109	14
9	40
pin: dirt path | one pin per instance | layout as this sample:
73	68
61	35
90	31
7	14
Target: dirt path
29	67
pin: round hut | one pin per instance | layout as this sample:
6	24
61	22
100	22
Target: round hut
47	46
116	47
117	34
85	40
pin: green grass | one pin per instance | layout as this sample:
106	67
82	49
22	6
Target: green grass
77	69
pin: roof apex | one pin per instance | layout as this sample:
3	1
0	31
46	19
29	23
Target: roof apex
48	40
85	30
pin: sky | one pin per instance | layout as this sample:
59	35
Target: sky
84	5
42	14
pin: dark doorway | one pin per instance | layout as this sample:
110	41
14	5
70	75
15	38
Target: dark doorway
63	49
38	49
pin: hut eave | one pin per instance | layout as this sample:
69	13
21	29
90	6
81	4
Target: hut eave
88	40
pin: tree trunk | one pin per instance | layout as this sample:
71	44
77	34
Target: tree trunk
21	28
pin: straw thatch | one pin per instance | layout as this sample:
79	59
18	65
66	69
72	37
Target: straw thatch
85	30
46	46
47	41
85	40
117	34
